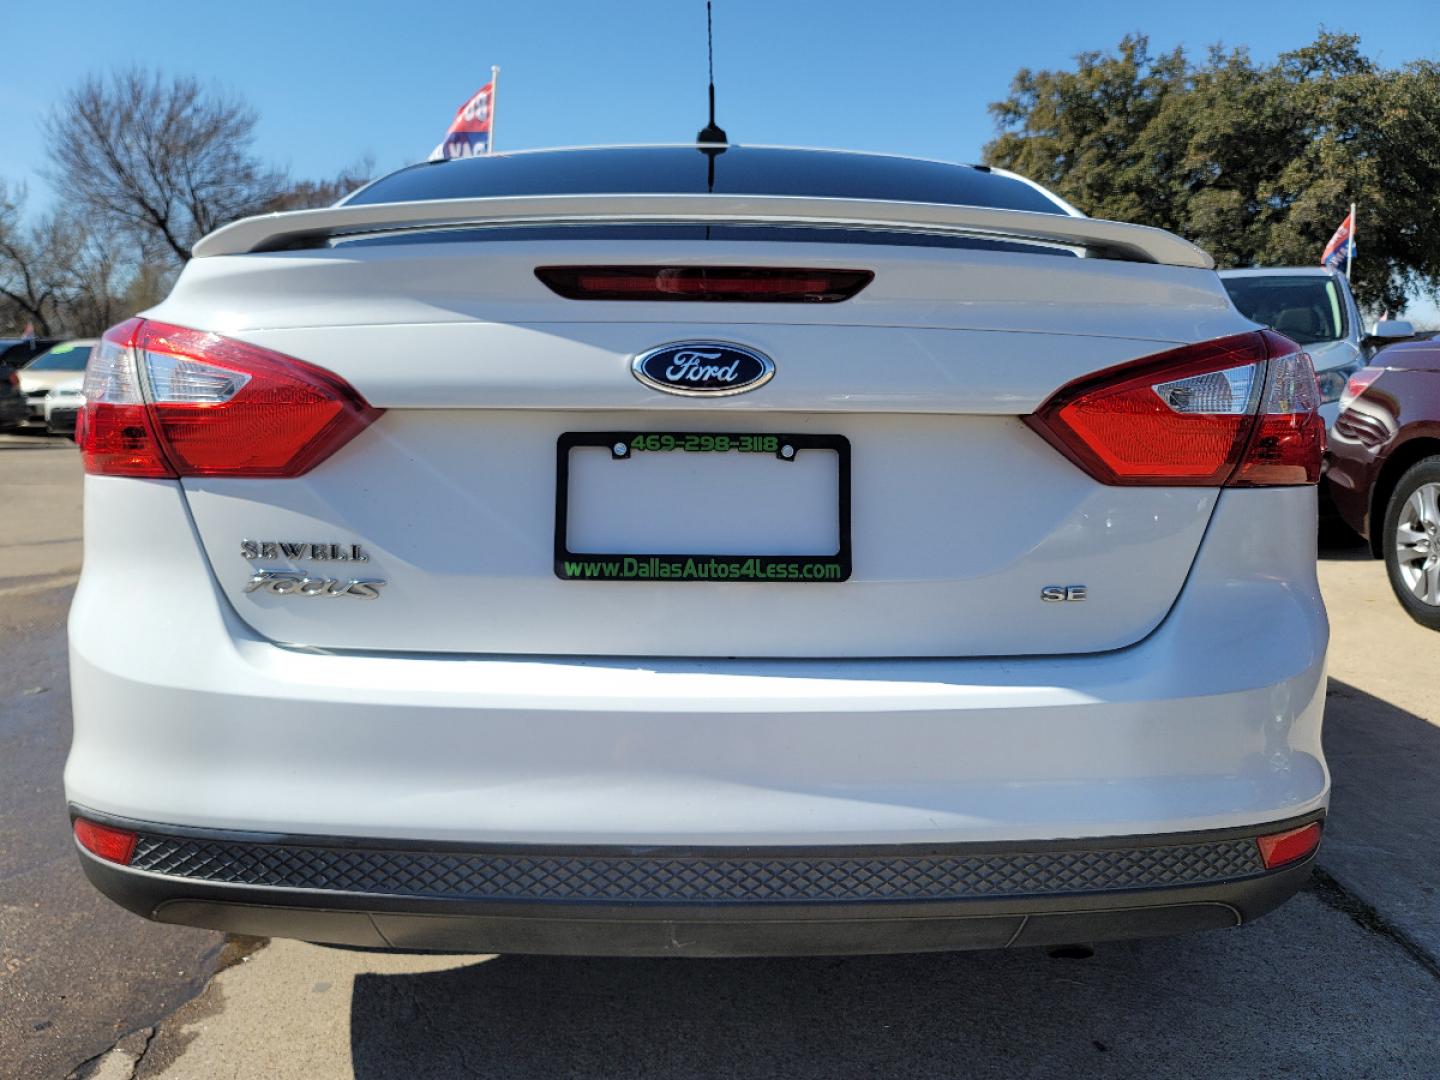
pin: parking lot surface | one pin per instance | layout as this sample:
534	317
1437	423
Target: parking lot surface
1342	981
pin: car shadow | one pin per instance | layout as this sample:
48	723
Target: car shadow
1214	1004
1381	842
1339	543
1218	1003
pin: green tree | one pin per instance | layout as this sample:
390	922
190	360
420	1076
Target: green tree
1256	163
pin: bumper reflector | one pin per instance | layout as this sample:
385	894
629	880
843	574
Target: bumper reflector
1277	849
112	845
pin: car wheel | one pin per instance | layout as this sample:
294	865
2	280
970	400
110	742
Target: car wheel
1412	541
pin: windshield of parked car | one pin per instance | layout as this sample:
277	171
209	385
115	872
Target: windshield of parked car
62	358
1305	308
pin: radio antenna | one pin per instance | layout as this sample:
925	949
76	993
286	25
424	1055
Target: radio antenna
711	132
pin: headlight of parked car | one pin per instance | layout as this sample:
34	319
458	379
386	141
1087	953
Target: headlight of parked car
1332	382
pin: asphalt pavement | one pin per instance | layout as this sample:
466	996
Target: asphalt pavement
76	972
1342	981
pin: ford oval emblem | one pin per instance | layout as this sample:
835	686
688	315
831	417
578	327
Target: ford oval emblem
703	368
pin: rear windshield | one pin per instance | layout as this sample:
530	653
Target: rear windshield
1306	308
684	170
63	358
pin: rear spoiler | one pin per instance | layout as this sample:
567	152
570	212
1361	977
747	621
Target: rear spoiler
311	228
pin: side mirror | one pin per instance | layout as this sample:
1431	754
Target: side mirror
1392	330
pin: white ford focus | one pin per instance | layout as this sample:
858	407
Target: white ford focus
705	551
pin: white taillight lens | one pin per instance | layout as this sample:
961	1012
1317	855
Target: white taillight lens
1289	438
205	405
114	430
110	374
1290	385
176	380
1223	393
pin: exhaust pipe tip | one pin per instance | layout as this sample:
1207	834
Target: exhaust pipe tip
1076	951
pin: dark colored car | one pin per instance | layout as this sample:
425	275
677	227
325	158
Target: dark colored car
12	402
15	353
1385	469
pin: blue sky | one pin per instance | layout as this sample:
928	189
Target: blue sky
333	82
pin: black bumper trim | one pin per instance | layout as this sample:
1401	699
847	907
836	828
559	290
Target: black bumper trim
695	878
719	902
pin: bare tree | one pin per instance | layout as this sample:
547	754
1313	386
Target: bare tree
96	274
145	164
308	194
29	276
161	157
66	277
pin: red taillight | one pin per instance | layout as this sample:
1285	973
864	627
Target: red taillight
1277	849
113	430
734	284
1357	385
164	400
111	844
1241	411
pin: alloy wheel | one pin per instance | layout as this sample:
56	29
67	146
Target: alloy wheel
1417	543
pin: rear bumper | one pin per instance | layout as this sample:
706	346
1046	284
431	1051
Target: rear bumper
61	421
13	410
694	901
675	769
1350	474
182	715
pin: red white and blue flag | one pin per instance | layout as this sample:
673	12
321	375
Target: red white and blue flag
469	133
1341	247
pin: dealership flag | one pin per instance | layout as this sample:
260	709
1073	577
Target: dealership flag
1341	249
472	131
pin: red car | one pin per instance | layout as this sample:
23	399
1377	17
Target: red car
1384	469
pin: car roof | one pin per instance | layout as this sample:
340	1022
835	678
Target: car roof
691	169
27	345
1281	271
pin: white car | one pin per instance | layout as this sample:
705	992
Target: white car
62	406
59	364
1313	306
698	551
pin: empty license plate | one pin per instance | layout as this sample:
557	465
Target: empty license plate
702	506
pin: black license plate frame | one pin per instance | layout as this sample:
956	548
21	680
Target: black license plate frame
649	566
